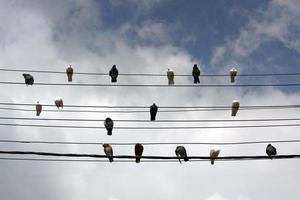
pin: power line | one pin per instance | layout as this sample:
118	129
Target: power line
153	127
145	74
165	107
105	161
149	143
155	85
74	155
156	121
120	111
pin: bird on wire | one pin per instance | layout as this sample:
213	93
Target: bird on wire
138	152
196	74
271	151
29	80
113	73
180	152
108	150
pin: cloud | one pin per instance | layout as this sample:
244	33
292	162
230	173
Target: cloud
279	22
49	35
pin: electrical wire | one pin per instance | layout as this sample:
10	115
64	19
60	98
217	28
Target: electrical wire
74	155
144	74
149	143
155	85
153	127
156	121
169	107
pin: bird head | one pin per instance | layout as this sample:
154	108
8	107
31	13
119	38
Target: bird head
105	145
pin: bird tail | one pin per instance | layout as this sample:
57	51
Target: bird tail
232	79
111	159
152	118
109	131
38	113
138	159
69	77
179	160
212	161
113	79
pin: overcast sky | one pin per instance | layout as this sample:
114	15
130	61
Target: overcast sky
148	36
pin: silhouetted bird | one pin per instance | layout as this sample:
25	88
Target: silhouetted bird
153	111
38	108
29	80
233	74
170	75
235	107
271	151
113	73
196	73
138	152
181	153
69	72
59	102
108	150
109	124
214	153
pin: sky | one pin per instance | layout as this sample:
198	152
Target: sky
149	36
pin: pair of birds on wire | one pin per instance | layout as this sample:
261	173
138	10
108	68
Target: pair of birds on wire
138	149
58	102
114	73
180	152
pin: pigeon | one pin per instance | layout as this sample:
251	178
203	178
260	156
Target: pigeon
59	102
170	75
181	153
109	124
233	74
138	152
108	152
69	72
113	73
29	80
38	108
271	151
214	153
196	73
153	111
235	107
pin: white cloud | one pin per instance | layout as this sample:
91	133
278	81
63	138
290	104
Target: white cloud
280	21
51	35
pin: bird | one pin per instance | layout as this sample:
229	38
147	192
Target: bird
181	153
271	151
108	150
109	124
235	107
196	74
29	80
69	72
59	102
38	108
153	111
233	74
214	153
138	152
113	73
170	75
